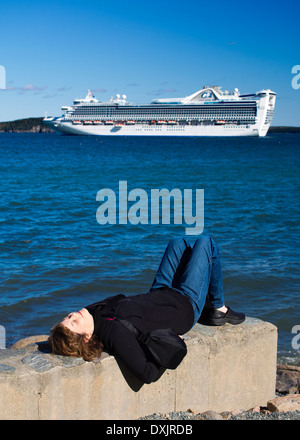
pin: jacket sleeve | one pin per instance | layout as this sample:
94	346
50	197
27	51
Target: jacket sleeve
124	346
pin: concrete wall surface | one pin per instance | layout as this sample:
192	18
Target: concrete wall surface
226	368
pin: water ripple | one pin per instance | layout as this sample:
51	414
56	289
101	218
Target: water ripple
55	256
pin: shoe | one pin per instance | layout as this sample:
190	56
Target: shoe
212	316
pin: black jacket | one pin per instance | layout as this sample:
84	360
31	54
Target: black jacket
162	308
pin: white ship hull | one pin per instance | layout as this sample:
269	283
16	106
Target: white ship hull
64	127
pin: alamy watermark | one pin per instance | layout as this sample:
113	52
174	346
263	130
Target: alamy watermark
296	338
296	78
146	208
2	77
2	337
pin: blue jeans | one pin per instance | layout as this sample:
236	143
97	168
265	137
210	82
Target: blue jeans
195	271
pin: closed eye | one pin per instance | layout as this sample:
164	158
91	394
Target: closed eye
73	321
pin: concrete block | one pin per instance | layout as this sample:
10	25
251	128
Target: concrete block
226	368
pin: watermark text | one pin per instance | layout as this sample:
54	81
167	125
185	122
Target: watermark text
153	429
137	207
296	338
2	337
2	78
296	78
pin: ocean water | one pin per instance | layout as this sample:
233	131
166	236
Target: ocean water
56	257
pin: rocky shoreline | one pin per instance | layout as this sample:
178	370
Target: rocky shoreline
234	415
285	406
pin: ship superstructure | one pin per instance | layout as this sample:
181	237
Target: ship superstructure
207	112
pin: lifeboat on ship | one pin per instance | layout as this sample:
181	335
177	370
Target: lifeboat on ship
130	122
76	122
87	122
220	122
109	122
172	122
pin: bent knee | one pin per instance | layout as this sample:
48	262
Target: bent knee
206	242
178	243
204	239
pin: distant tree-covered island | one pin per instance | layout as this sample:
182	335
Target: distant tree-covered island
35	125
280	129
28	125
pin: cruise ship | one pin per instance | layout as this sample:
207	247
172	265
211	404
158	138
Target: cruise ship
207	112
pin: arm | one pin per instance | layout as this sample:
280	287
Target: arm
125	347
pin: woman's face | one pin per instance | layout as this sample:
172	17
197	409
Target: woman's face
80	322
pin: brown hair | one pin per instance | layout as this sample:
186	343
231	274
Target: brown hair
65	342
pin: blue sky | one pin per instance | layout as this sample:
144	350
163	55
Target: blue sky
54	51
